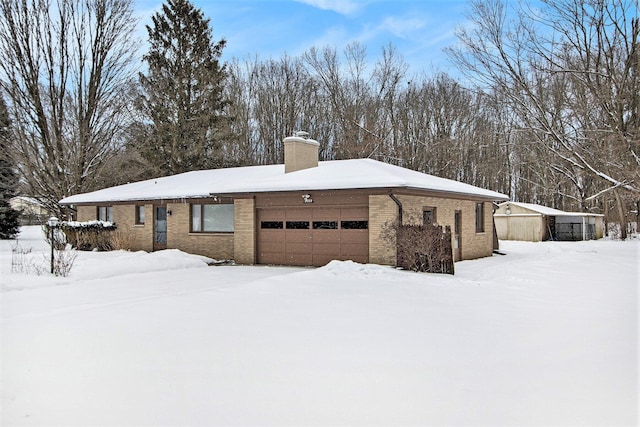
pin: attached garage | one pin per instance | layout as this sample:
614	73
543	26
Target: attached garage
312	234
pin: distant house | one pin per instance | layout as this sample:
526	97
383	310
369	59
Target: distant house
304	212
535	223
31	210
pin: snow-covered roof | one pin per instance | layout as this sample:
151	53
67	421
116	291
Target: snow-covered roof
544	210
329	175
27	200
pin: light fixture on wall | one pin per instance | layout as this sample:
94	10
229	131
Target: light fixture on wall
169	213
306	198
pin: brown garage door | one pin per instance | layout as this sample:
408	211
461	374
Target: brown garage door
313	236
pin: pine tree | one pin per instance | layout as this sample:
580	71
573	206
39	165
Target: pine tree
9	225
182	95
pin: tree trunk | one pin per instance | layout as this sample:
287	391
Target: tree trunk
621	215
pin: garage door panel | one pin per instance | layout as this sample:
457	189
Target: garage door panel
298	248
271	258
271	236
350	249
314	235
326	236
326	248
360	236
326	214
272	247
297	236
303	259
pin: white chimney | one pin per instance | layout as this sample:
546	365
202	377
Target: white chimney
300	152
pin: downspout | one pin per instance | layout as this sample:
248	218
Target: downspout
395	199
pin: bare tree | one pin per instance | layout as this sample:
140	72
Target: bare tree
349	89
271	100
64	68
569	71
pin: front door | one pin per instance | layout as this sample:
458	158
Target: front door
457	241
160	228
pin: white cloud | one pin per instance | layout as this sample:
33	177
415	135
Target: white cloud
400	27
344	7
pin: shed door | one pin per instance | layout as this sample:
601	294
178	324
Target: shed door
313	236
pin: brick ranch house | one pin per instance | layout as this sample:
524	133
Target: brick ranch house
304	212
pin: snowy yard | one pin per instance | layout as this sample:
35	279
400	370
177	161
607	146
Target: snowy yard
546	335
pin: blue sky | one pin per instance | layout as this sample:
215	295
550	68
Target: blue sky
419	29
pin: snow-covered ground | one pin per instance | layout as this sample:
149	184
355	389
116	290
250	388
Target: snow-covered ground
546	335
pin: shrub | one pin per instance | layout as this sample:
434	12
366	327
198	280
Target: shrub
424	248
84	236
120	240
63	261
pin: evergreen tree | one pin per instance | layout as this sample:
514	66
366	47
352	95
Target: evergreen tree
8	179
182	98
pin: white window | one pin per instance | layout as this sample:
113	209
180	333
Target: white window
212	218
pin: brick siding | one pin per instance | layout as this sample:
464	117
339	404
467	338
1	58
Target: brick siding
140	236
474	245
213	245
245	231
87	213
383	210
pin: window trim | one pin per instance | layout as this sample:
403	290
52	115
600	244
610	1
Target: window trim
201	229
480	217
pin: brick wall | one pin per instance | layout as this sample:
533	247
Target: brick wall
213	245
474	245
382	212
138	237
87	213
245	231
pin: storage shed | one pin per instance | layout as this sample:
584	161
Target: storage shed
535	223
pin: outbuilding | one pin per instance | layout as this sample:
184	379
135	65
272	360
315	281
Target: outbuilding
536	223
304	212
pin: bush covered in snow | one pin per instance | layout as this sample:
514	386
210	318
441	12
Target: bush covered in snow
84	236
